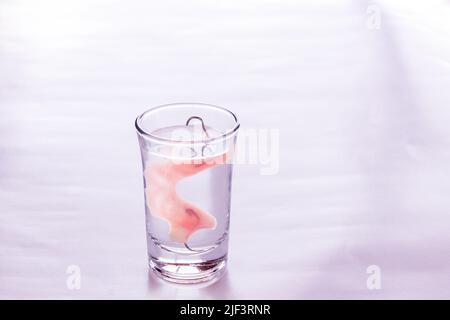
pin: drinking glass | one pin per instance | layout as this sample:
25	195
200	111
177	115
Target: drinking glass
187	151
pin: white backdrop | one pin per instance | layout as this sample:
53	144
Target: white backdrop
358	90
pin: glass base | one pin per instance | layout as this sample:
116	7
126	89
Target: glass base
189	273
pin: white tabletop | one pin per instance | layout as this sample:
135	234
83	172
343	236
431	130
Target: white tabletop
358	90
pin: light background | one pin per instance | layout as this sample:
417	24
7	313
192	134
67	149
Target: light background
363	115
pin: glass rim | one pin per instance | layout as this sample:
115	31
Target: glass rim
223	136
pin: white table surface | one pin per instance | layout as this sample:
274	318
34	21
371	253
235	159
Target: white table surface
363	115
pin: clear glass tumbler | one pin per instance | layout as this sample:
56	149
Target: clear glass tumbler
187	151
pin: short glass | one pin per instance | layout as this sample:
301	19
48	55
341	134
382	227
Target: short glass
187	151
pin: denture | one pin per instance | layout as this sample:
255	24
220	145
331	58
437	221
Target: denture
163	201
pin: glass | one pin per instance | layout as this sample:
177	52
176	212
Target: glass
187	151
